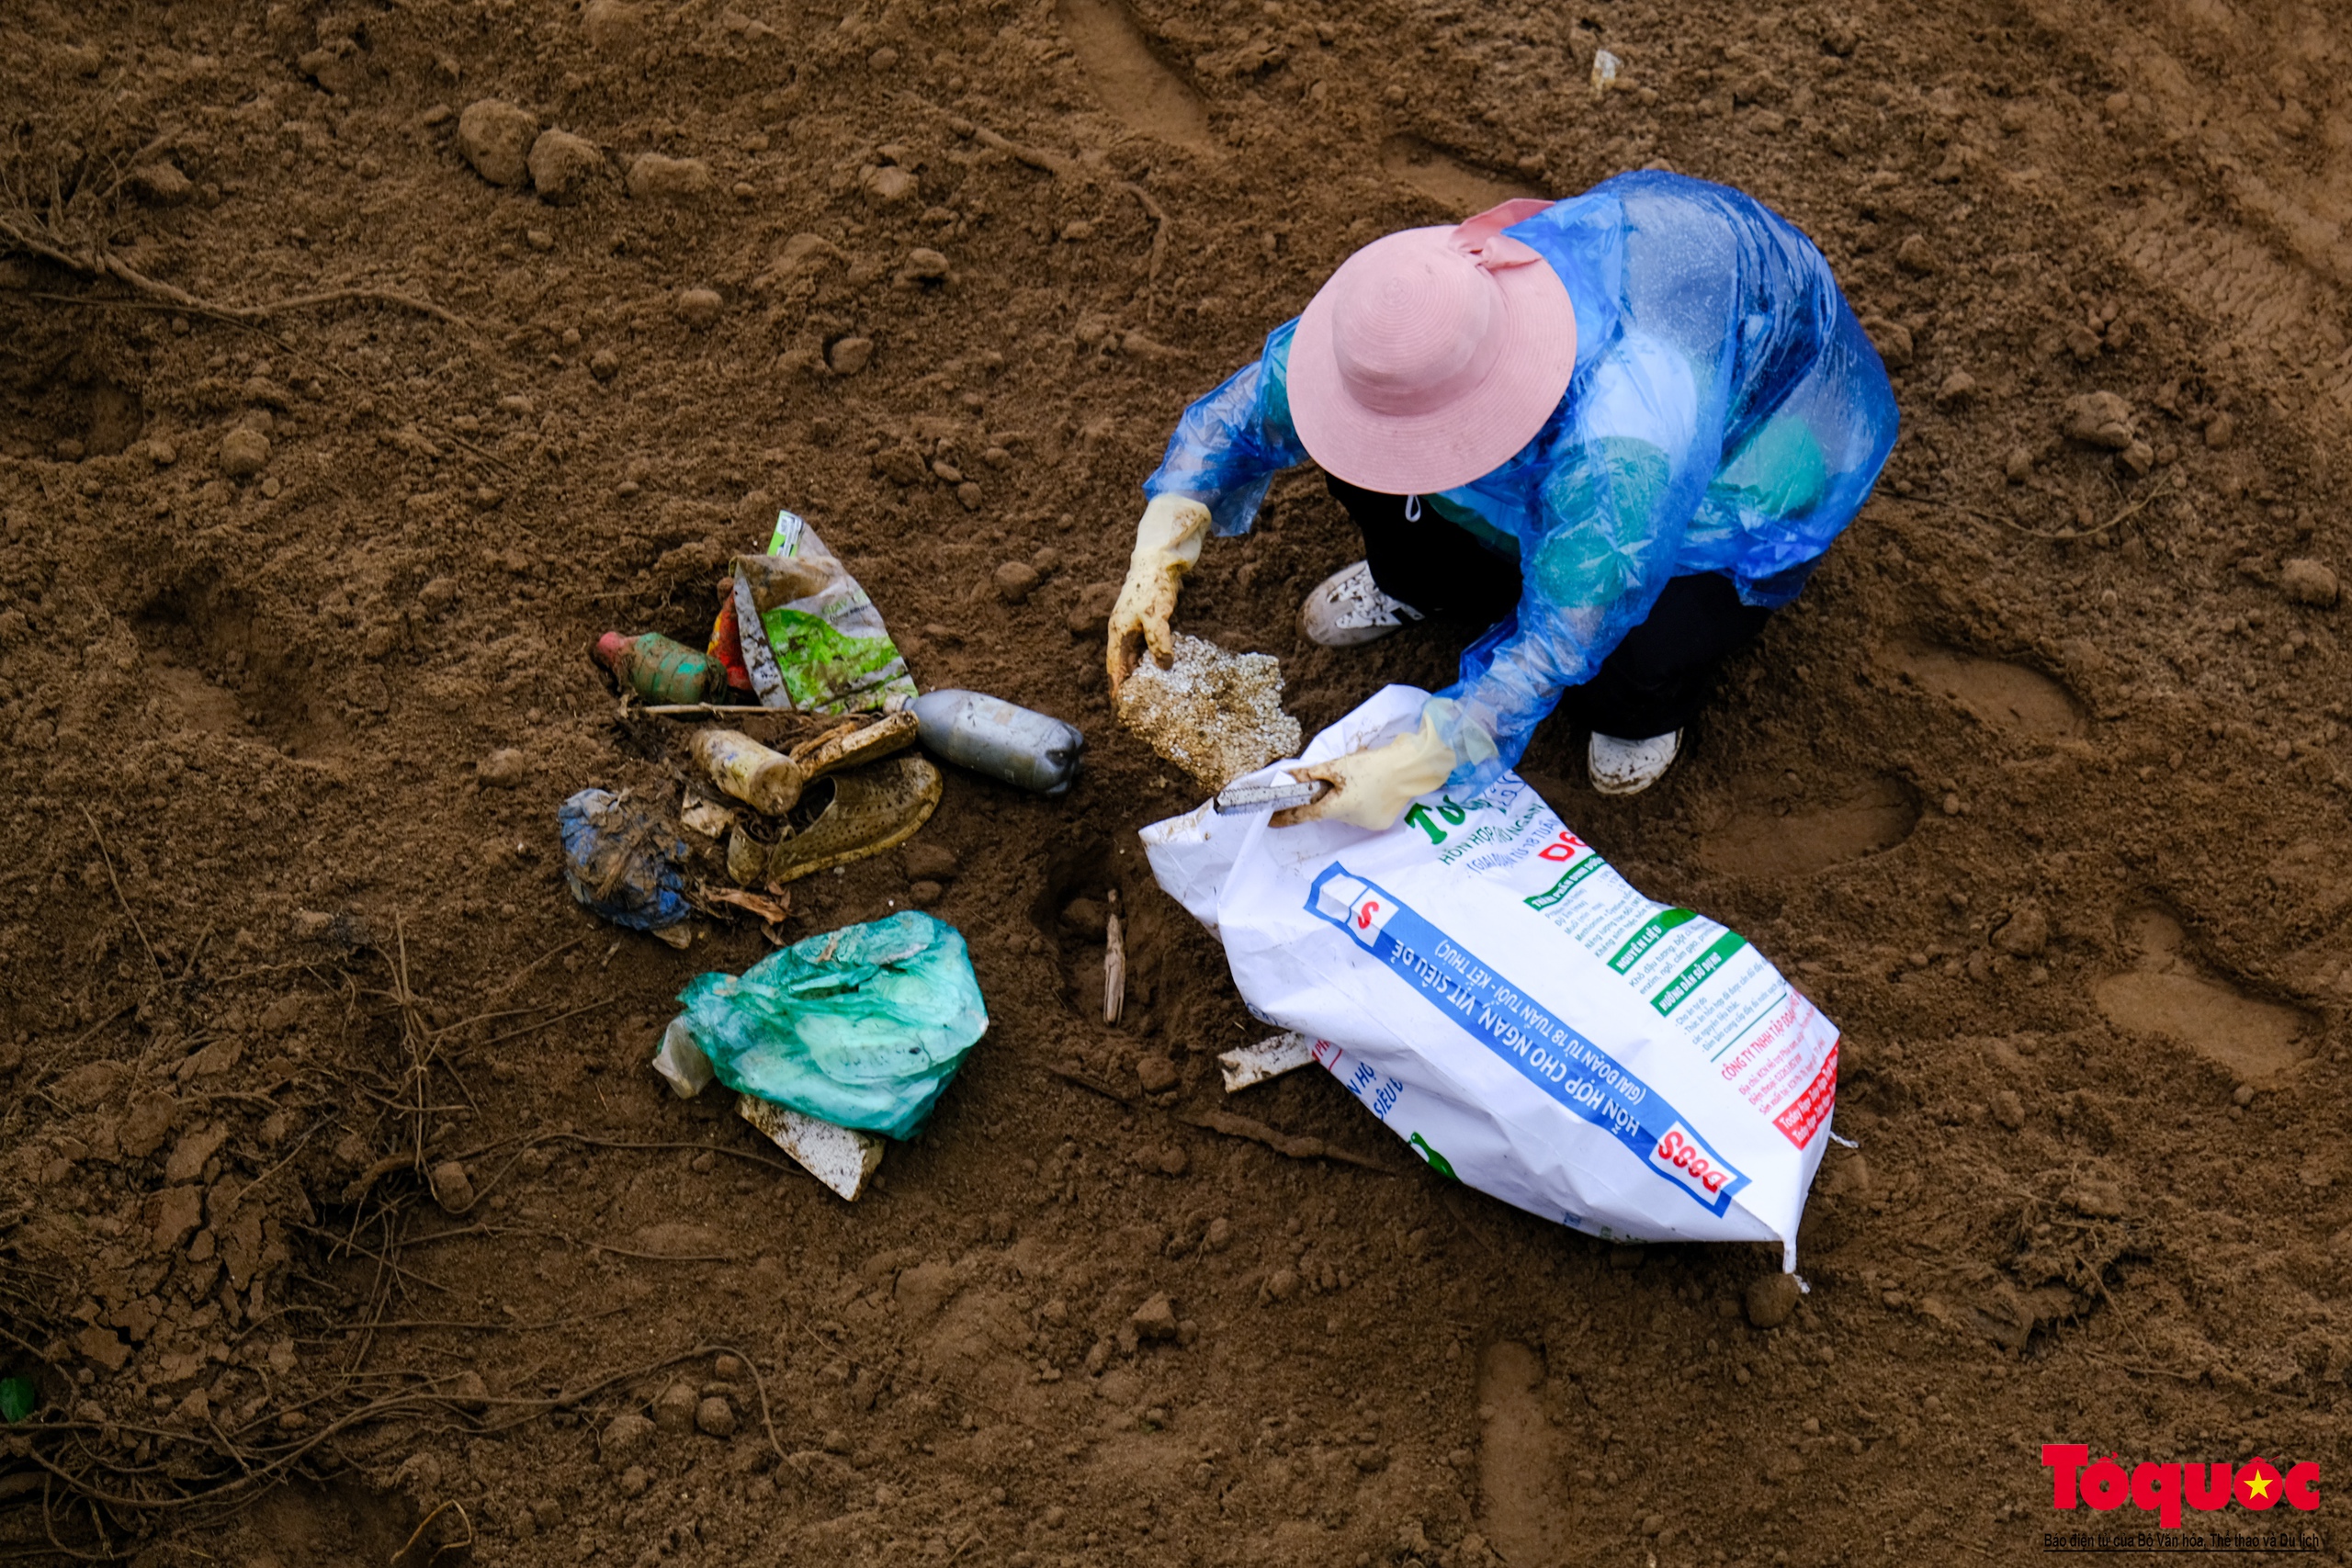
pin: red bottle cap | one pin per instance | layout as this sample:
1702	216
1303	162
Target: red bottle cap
612	650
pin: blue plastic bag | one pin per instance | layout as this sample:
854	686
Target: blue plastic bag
621	862
1727	414
864	1027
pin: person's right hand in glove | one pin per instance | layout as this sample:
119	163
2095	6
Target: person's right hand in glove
1372	788
1168	543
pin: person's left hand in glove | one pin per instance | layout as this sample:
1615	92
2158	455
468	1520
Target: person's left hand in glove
1372	788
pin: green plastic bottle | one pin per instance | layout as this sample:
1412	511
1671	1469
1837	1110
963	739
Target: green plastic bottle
658	669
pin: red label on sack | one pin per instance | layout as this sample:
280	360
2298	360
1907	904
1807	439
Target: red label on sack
1809	1110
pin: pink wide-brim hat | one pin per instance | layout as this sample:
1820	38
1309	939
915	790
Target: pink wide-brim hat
1431	356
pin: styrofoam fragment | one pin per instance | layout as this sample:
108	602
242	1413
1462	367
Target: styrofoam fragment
1270	1058
840	1157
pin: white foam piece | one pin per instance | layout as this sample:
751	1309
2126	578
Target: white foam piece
840	1157
1269	1058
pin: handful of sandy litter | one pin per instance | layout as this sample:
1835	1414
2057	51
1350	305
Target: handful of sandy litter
1215	715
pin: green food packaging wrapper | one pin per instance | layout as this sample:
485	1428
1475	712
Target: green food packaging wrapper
809	637
862	1027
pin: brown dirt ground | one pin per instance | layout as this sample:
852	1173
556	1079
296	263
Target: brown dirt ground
2054	827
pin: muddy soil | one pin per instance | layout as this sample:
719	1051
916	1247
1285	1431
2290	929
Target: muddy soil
2040	790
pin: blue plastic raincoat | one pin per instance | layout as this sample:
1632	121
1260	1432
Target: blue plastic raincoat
1726	414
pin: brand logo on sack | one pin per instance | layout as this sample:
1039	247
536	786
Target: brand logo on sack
1681	1156
2076	1479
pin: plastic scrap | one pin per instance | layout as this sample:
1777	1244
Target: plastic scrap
805	633
1215	715
19	1398
1269	1058
621	861
1604	71
864	1027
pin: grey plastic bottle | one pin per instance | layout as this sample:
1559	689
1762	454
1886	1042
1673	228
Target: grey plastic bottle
989	735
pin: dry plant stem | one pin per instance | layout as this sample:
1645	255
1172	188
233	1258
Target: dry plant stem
1115	964
1052	164
426	1523
2062	536
104	265
116	883
1294	1145
1158	242
760	1383
685	708
1087	1081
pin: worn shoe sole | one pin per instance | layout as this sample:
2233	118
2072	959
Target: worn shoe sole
874	809
1635	784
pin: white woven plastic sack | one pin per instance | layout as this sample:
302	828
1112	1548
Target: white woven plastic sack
1507	1003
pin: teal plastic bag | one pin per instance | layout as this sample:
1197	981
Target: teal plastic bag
864	1027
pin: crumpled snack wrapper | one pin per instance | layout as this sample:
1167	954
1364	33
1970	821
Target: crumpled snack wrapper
1215	715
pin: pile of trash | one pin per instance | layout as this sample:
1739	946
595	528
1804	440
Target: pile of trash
842	1039
796	634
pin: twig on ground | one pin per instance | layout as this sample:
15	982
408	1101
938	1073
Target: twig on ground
1088	1081
2060	535
707	708
106	265
760	1383
1158	243
1296	1145
426	1523
535	1028
116	883
1114	963
1052	164
228	1205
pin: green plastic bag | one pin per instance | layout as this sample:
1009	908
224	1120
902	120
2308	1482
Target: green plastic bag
19	1398
864	1027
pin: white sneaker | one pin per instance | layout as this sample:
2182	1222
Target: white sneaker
1348	609
1628	767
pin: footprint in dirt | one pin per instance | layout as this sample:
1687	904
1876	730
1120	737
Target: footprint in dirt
1453	184
2164	993
1129	78
2007	696
1519	1460
1774	838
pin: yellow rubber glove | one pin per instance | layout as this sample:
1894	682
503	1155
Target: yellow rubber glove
1370	789
1168	543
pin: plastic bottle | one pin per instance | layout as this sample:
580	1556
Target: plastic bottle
658	669
763	780
989	735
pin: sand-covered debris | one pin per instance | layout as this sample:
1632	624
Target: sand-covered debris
1213	714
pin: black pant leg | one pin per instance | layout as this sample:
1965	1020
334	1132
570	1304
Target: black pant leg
1655	681
1429	563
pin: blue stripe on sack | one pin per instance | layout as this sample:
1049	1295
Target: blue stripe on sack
1500	1016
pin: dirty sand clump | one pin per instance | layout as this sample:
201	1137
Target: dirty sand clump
1213	714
